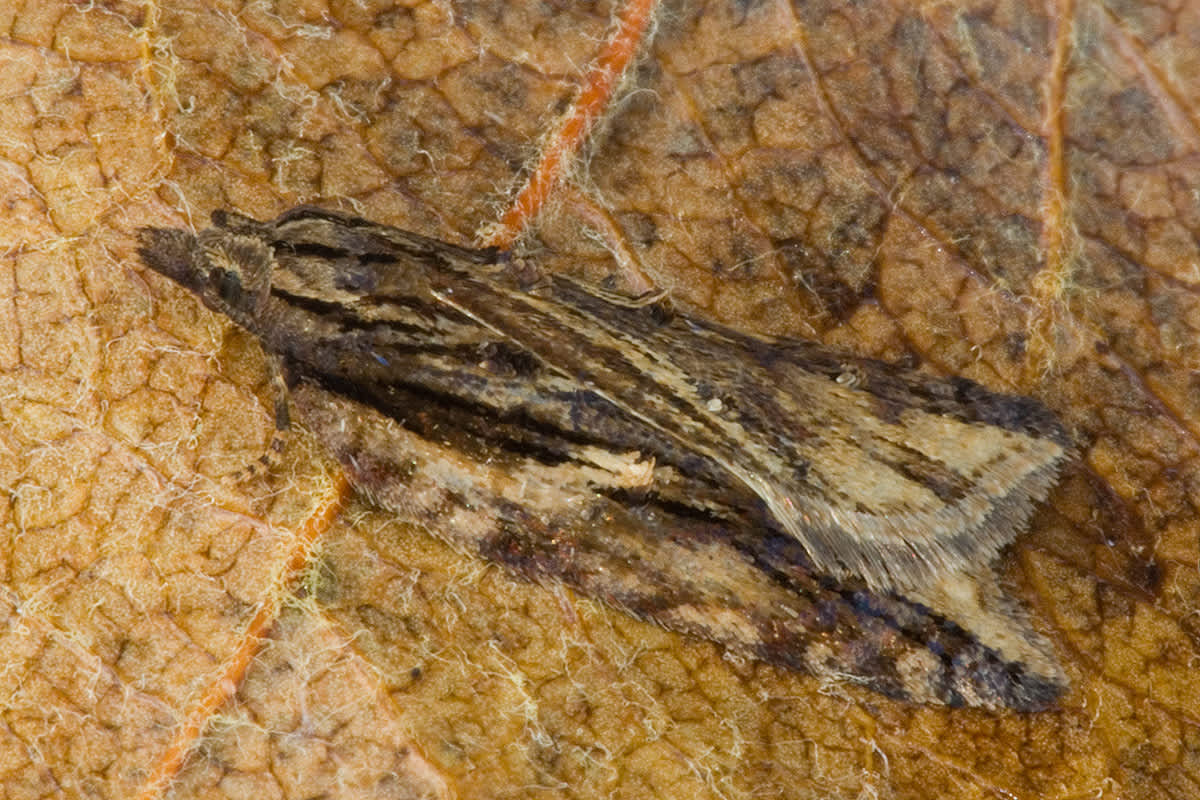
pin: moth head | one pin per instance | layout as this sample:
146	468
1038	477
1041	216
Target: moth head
230	272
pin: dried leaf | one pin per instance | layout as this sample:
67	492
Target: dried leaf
998	193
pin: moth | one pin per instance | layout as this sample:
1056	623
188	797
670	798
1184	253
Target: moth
795	503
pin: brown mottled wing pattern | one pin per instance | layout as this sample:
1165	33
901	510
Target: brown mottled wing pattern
768	494
888	475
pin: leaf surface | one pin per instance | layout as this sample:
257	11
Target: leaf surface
995	192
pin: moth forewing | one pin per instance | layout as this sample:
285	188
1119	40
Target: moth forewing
890	499
724	485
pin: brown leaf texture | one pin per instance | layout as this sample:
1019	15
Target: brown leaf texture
1005	192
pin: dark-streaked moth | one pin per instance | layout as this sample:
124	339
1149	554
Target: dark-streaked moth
795	503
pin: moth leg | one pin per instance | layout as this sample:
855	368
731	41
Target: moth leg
272	456
283	417
280	387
